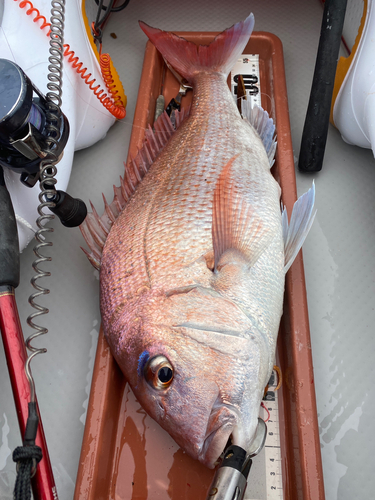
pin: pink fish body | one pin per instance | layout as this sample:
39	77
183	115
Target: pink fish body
192	270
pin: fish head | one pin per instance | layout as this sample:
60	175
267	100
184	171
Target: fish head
197	366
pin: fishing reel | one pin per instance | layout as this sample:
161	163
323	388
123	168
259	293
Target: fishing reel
31	132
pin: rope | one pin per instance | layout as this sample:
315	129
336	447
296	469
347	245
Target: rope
26	457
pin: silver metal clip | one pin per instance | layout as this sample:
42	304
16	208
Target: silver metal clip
30	145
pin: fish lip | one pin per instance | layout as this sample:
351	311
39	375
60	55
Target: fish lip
214	445
217	437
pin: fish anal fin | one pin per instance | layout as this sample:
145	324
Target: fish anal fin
235	223
295	231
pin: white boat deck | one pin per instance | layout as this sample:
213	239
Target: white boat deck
339	257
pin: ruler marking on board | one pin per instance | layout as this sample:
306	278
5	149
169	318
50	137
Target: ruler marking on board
274	486
247	66
272	450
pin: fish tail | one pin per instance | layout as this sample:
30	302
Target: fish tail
187	58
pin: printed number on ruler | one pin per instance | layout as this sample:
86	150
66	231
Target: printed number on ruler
274	481
248	67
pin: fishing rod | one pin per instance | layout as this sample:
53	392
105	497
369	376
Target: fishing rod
33	135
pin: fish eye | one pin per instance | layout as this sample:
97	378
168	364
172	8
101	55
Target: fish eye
158	372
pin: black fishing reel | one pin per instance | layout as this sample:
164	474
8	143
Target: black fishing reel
29	137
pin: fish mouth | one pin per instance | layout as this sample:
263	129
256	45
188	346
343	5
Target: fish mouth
219	430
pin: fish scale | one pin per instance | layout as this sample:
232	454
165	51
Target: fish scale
175	195
187	201
192	270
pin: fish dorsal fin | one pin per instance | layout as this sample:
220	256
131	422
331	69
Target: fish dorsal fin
95	228
235	223
295	232
263	124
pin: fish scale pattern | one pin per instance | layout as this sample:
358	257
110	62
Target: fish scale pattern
160	239
95	228
161	296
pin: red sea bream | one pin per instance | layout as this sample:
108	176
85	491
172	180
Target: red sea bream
193	253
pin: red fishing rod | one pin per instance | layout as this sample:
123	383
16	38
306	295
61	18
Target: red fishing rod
32	139
33	456
33	134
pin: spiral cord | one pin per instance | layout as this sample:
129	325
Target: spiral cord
47	179
112	101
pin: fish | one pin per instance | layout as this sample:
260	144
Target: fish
193	253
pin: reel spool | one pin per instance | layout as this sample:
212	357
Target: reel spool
23	125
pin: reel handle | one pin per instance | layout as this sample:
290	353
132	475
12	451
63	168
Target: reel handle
71	211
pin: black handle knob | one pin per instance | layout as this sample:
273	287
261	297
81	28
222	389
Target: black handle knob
71	211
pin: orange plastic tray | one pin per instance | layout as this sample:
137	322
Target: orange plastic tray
125	454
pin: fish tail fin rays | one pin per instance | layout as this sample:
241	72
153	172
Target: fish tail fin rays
264	125
295	232
187	58
95	228
235	222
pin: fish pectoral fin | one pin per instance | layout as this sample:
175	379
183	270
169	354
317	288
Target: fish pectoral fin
295	232
235	223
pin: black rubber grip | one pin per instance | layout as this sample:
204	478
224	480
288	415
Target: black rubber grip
71	211
31	425
234	457
315	131
9	248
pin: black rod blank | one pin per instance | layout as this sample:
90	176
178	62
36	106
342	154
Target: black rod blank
315	131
